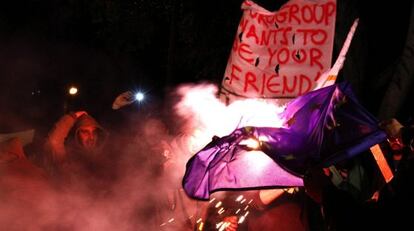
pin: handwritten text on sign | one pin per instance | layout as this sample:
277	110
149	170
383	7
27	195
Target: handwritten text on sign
283	53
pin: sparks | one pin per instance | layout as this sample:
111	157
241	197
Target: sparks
239	198
218	204
221	211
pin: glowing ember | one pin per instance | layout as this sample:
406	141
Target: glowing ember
251	143
201	226
242	218
239	198
221	211
218	204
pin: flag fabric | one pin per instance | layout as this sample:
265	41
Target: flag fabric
224	164
328	125
322	127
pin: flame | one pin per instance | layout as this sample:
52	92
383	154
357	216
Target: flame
251	143
207	116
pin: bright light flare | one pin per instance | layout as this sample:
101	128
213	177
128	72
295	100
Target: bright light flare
73	90
251	143
139	96
207	116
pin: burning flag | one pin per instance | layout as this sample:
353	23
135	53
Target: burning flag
322	128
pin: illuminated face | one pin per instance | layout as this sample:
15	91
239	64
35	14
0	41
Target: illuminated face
88	137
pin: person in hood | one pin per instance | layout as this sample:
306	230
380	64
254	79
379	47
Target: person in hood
75	145
89	135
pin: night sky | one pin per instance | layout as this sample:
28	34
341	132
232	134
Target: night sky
106	47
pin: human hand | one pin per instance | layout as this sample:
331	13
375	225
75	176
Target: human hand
231	223
123	99
79	114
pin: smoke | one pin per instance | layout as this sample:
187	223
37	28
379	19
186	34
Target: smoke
206	116
137	186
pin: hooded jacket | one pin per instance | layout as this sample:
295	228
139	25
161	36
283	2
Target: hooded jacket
62	141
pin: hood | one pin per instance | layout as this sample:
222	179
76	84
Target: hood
87	120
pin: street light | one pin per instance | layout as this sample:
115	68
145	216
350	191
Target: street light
73	90
70	97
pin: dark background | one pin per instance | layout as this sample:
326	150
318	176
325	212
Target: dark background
106	47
